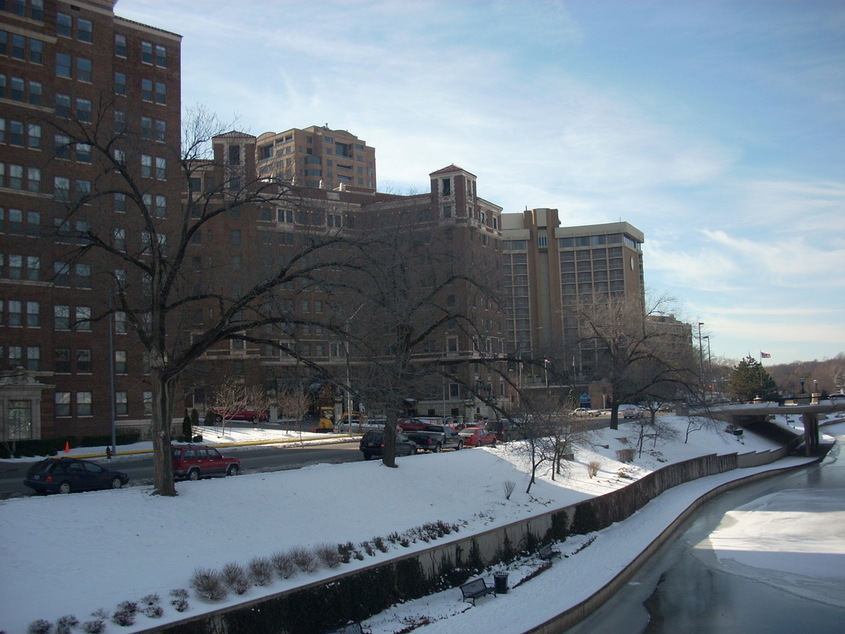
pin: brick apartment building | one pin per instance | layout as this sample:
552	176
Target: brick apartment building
65	64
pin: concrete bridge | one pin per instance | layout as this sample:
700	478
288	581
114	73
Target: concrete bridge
755	417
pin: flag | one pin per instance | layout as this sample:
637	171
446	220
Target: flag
765	355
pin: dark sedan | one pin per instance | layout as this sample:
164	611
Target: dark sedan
372	444
63	475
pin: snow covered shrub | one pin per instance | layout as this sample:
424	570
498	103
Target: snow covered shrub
208	584
328	555
304	558
235	578
180	599
97	626
149	606
125	613
261	571
284	564
345	551
593	468
625	455
368	548
41	626
509	486
381	544
65	624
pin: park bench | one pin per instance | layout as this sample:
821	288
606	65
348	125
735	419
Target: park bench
548	552
476	588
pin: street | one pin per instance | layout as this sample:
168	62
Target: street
254	459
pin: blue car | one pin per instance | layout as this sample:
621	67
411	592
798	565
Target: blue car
63	475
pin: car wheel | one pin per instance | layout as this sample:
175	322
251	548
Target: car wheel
194	474
116	483
218	418
366	456
413	451
255	420
460	446
232	470
64	487
437	448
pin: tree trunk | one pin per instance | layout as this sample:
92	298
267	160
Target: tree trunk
389	452
614	416
163	390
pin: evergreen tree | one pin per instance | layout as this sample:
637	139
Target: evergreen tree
749	380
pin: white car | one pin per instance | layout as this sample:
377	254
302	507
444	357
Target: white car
630	411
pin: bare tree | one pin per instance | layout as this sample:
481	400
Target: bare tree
293	404
635	355
231	400
414	288
153	262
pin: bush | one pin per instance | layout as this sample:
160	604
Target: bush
304	558
41	626
284	564
625	455
235	578
125	613
261	571
328	555
593	468
66	624
180	599
97	626
208	585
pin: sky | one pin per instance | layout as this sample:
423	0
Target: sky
107	536
716	127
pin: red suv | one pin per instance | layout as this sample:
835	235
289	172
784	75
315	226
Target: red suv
195	461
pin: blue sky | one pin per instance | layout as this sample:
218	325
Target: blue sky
716	127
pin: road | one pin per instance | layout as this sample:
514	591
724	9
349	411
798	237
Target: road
254	459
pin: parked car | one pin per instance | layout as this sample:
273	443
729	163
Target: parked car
476	437
251	415
417	424
196	461
63	475
435	438
630	411
372	444
585	411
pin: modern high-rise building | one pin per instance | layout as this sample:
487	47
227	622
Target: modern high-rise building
317	157
75	70
549	270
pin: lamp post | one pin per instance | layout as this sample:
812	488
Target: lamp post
709	363
802	379
700	350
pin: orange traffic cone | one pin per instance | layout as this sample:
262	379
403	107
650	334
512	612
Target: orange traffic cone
67	447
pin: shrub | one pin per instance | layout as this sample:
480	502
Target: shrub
593	468
345	552
235	578
368	548
125	613
625	455
284	564
97	626
65	624
41	626
208	585
261	571
328	555
509	486
304	558
380	544
150	606
180	599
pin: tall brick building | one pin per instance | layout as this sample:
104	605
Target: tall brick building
66	64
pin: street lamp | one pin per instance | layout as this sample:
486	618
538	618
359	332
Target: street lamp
709	363
700	350
802	379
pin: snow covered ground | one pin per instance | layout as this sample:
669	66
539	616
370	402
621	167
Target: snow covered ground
77	554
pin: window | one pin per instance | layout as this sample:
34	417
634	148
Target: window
83	153
120	202
15	267
146	52
33	179
83	110
83	361
36	10
33	268
33	358
61	188
17	89
120	361
235	238
63	105
84	30
119	45
161	168
146	89
83	318
120	84
61	317
18	46
146	128
234	155
119	121
161	131
120	239
14	308
120	323
161	56
447	186
33	314
83	404
146	166
35	93
16	133
148	404
121	403
83	276
34	136
15	356
62	403
64	25
84	69
161	93
61	274
161	206
61	360
63	65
